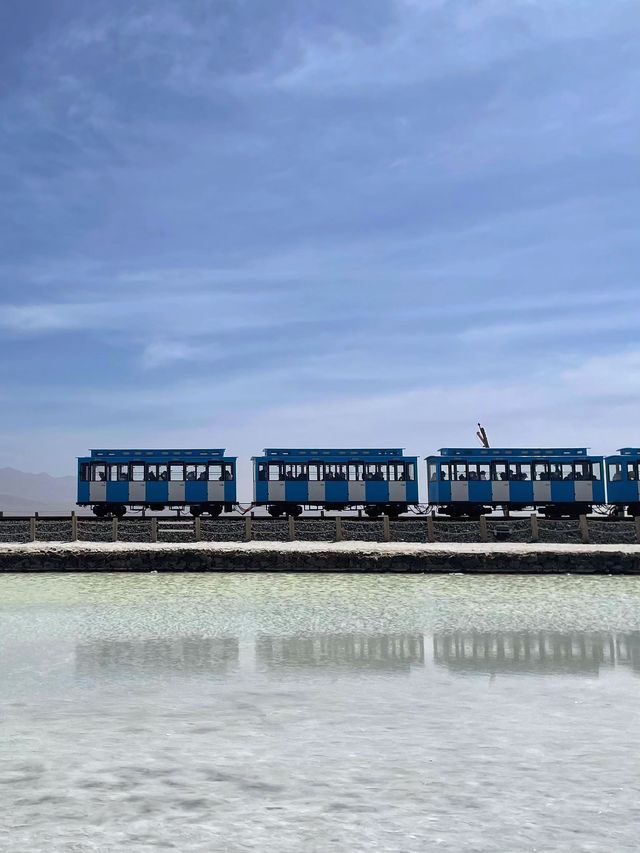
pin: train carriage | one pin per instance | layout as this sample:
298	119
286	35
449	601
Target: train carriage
623	485
558	481
382	481
109	481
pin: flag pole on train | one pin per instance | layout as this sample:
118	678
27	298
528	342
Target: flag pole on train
482	435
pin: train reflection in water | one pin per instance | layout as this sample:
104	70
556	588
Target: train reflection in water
546	652
394	652
185	655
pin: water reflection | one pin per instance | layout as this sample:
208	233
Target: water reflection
545	652
185	655
389	652
504	652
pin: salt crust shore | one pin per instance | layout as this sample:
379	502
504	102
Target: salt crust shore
401	557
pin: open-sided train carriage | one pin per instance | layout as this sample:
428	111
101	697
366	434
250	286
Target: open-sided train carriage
110	481
381	481
559	482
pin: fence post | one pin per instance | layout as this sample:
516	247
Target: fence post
535	528
338	528
154	529
484	533
248	532
114	529
32	529
198	528
386	528
292	528
431	534
584	529
74	527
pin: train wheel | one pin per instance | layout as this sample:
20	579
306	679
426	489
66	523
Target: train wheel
118	511
275	511
99	511
214	510
195	510
373	511
294	511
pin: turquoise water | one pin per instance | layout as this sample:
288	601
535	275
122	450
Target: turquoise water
319	713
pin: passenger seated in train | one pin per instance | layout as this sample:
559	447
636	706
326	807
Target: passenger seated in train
191	475
152	476
202	475
164	475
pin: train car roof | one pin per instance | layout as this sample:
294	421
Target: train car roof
528	452
354	453
169	453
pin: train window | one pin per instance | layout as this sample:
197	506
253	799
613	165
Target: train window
395	471
215	471
555	472
294	472
335	472
227	472
355	471
583	470
137	472
410	471
262	471
567	472
176	471
195	472
519	471
499	471
315	471
540	470
98	472
119	472
484	471
374	472
445	473
632	470
274	471
596	471
157	472
459	471
85	471
433	472
615	472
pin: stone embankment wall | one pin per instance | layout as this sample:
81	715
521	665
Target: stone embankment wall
317	557
347	529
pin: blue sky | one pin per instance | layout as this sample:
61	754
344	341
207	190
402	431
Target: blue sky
244	223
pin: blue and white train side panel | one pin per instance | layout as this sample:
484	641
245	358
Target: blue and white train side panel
136	477
623	472
515	476
304	477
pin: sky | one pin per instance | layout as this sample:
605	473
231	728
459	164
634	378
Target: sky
251	223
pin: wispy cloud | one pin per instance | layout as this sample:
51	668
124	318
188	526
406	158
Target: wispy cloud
274	221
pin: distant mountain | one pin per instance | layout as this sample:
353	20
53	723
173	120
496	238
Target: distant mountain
22	492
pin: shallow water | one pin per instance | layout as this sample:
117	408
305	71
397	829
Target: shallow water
319	713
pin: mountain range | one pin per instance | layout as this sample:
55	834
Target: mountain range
24	493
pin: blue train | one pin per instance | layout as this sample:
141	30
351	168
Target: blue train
564	481
462	482
111	480
381	481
